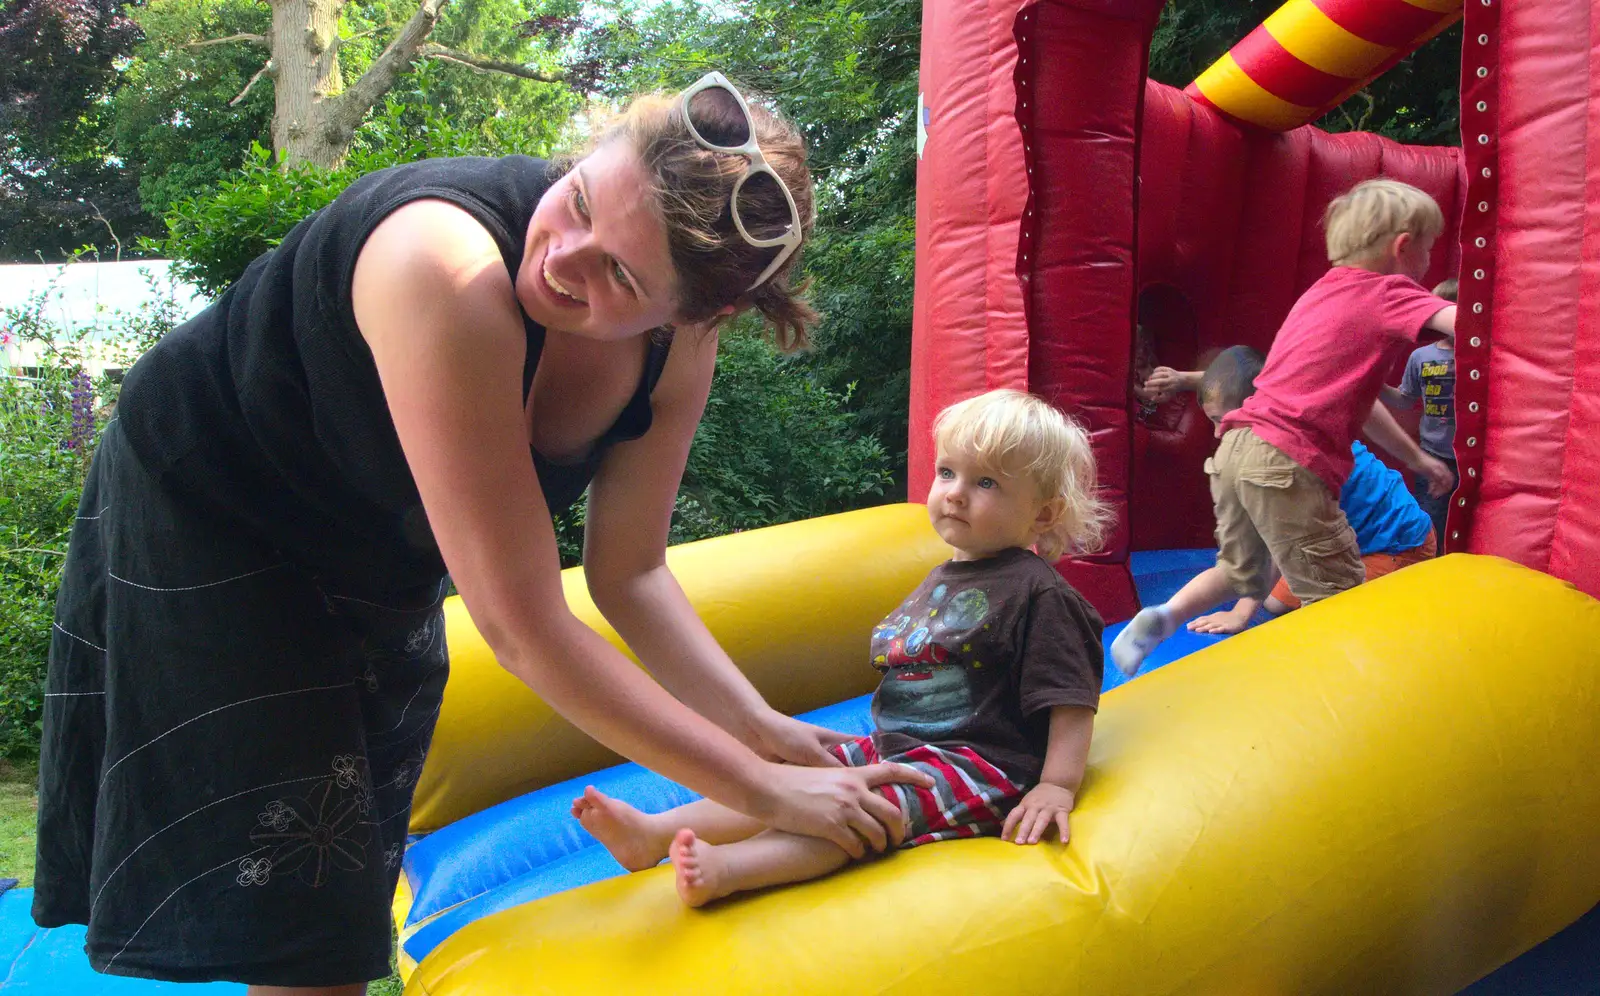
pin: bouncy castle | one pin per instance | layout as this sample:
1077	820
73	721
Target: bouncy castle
1391	791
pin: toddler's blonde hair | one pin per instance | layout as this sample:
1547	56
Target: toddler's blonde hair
1020	435
1360	222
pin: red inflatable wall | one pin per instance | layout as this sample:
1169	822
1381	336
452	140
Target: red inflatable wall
1528	372
1063	201
1230	235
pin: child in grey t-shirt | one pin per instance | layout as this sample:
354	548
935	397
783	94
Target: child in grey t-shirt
1431	378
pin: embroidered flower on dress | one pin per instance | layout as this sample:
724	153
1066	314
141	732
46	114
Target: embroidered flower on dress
325	831
254	871
277	815
407	772
418	639
364	800
346	771
391	856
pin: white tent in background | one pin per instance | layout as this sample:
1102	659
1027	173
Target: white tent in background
83	295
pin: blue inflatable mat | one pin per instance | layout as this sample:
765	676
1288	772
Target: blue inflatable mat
52	962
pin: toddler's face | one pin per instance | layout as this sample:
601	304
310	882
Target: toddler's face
980	511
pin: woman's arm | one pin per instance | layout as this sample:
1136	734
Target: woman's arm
437	308
625	541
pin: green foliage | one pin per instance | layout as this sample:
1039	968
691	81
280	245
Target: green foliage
50	420
173	119
177	121
58	64
774	445
213	236
845	71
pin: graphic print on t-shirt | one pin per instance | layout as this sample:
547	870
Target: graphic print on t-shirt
927	691
1438	387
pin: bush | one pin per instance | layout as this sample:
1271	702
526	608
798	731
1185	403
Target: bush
774	446
212	237
50	422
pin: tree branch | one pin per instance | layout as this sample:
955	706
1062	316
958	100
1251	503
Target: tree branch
339	43
480	64
345	111
241	37
102	219
266	68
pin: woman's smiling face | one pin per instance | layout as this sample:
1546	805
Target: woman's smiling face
596	262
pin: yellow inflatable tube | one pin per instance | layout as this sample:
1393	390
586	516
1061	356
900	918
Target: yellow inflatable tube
1390	792
792	604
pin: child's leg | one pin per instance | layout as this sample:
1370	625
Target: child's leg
1306	532
707	871
1244	565
639	840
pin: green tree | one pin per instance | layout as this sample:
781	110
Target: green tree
846	72
213	235
328	63
58	63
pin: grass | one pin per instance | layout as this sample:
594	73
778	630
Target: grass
19	810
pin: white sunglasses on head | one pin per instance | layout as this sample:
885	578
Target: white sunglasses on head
790	238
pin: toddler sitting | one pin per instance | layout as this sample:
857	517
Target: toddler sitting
990	670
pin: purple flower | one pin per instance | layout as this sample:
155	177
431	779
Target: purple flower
82	412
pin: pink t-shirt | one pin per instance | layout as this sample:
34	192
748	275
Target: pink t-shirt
1327	366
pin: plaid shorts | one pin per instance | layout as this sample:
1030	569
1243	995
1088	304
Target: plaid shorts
970	797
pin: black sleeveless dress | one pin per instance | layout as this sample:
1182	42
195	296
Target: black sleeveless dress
249	655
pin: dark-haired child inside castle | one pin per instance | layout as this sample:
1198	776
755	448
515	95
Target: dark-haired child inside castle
1285	454
991	669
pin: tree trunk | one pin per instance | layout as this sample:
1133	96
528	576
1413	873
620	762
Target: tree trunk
305	59
315	118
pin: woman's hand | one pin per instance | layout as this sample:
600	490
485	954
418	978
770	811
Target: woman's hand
1044	804
777	737
838	804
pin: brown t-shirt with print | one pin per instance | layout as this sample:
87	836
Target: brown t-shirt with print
979	654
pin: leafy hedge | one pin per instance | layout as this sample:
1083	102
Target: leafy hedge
50	420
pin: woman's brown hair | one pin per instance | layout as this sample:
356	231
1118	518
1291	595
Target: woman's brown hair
693	189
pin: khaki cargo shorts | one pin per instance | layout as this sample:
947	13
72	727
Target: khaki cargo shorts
1270	510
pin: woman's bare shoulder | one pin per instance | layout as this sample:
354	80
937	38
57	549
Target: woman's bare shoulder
433	260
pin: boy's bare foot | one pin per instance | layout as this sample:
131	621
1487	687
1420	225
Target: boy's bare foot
700	869
624	830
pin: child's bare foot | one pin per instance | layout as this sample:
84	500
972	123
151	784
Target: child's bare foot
624	830
700	869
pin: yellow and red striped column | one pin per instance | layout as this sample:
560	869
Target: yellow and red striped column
1311	55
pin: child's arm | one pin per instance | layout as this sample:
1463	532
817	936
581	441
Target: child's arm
1396	397
1165	381
1057	792
1382	429
1443	320
1229	621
